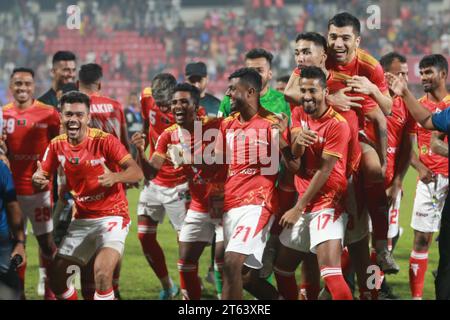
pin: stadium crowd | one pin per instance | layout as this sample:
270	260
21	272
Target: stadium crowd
216	39
340	131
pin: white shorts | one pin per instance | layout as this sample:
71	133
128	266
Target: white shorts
37	208
358	224
199	227
426	215
394	222
313	229
245	233
155	201
86	236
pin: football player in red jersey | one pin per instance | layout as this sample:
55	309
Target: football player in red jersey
168	191
106	114
96	165
434	72
320	138
311	51
355	65
401	132
250	201
432	166
25	119
180	145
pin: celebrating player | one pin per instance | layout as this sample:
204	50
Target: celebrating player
320	137
106	113
96	165
352	64
432	166
179	145
249	188
25	119
165	193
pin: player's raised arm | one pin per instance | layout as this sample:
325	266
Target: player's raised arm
421	114
291	92
149	167
438	145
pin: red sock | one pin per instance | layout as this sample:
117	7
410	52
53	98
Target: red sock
189	282
152	249
286	284
69	294
418	263
377	206
104	295
335	283
309	292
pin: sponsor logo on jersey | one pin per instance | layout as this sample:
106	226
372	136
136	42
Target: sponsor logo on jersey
26	157
244	172
96	162
41	125
391	150
420	214
92	198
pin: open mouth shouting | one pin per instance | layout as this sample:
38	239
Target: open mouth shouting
73	129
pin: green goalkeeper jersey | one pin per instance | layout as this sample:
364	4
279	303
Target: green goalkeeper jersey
272	101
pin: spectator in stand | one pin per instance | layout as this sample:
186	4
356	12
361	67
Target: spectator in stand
133	117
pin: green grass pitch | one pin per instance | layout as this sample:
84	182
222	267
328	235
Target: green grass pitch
139	282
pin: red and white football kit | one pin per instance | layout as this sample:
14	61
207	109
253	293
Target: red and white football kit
101	218
29	132
250	199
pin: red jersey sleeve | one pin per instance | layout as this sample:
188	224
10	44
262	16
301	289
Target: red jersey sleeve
50	160
295	118
115	151
337	140
146	102
162	144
